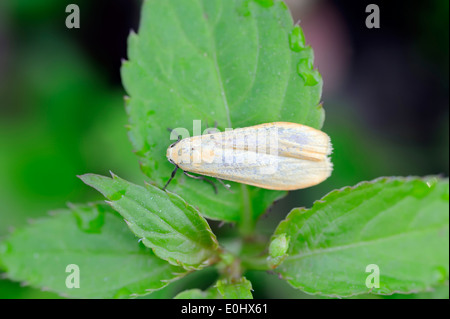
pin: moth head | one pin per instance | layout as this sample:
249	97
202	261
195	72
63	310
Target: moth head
173	152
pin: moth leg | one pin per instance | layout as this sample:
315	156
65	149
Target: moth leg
227	186
171	177
211	130
202	178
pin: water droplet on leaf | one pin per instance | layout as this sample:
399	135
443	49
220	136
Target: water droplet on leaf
304	69
296	39
117	195
420	189
90	219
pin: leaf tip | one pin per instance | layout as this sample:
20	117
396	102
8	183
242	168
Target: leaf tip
86	178
114	176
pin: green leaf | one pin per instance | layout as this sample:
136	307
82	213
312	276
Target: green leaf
223	289
398	224
213	60
439	292
112	263
235	289
167	224
198	294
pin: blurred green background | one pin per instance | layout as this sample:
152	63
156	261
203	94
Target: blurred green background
61	105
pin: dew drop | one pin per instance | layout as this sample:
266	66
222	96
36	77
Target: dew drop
145	148
420	189
117	195
297	39
304	69
90	219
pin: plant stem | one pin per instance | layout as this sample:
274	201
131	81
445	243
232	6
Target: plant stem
247	224
255	263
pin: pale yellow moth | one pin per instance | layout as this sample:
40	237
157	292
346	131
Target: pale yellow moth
279	155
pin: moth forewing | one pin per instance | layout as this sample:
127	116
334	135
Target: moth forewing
280	155
267	146
250	144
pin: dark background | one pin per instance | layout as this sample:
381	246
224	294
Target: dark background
61	107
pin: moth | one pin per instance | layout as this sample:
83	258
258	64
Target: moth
278	156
